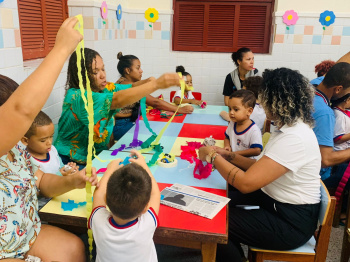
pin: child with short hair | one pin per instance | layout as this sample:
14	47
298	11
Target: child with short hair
133	198
342	123
188	96
253	84
243	136
38	141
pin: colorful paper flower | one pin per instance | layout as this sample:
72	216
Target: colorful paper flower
290	17
327	18
104	10
151	15
119	13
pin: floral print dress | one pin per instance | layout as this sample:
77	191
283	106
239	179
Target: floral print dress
19	219
73	132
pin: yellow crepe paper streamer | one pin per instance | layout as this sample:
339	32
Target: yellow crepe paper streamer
156	141
88	102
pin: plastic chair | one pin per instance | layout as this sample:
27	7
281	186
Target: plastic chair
265	138
197	95
315	249
345	251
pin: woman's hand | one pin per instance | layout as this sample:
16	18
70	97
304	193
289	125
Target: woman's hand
67	37
167	80
223	152
228	148
185	110
204	151
80	178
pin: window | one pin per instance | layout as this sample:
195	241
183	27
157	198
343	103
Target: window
39	22
222	25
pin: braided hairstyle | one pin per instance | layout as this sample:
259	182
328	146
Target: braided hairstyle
72	71
286	95
125	61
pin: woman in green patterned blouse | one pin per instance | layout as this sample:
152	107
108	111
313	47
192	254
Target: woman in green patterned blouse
72	139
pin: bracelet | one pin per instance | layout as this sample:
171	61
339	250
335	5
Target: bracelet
211	153
213	158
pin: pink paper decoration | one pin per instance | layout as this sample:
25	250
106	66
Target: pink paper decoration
290	17
104	10
200	171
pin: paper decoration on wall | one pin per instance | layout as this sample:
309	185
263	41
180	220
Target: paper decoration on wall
151	15
290	17
327	18
104	11
119	13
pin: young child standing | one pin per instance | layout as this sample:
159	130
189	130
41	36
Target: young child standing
253	84
188	96
132	195
38	141
243	136
342	123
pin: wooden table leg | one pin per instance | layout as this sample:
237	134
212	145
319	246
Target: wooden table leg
208	252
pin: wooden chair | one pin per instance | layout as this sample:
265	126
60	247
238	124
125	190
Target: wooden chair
345	251
197	95
315	249
265	138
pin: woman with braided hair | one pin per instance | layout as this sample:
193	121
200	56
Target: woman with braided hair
284	181
72	139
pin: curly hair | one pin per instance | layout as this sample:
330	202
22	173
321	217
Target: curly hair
253	84
286	96
322	68
72	71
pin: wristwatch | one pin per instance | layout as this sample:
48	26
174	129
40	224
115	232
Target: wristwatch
209	156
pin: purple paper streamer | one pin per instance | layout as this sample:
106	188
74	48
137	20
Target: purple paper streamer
115	151
135	142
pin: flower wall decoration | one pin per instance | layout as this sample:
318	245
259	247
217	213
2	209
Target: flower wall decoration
327	18
151	15
104	11
119	13
290	17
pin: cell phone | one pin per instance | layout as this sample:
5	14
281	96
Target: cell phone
248	207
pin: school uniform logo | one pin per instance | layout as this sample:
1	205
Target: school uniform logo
238	142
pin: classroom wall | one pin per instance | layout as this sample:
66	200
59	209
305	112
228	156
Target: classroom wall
303	46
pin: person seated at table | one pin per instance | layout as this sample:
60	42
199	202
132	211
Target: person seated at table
22	234
244	61
284	181
321	70
188	96
242	135
129	68
72	139
133	198
253	84
38	142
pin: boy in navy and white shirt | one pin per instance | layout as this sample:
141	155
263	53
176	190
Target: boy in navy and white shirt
243	136
125	233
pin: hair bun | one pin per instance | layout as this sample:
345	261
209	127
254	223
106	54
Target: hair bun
119	55
180	69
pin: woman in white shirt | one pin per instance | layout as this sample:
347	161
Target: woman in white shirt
284	181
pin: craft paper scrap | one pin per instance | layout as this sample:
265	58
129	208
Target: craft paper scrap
193	200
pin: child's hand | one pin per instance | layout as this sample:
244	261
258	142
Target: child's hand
185	110
228	148
140	160
67	37
114	165
197	102
80	178
167	80
73	168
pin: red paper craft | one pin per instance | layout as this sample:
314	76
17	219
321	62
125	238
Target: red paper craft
200	171
203	131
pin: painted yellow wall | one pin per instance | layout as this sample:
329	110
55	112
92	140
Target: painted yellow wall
312	6
142	4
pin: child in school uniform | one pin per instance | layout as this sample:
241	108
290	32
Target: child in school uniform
38	142
342	123
243	136
188	96
133	198
253	84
